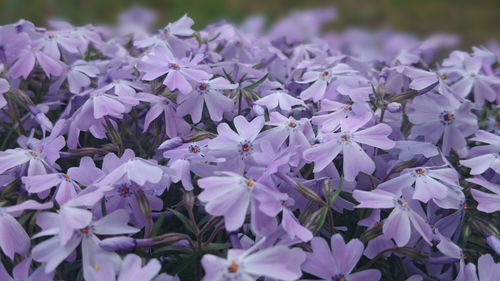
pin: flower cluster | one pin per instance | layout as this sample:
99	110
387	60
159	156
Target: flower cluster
235	153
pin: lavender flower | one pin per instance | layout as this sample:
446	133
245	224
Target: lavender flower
338	263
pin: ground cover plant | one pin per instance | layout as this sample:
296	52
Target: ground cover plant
239	152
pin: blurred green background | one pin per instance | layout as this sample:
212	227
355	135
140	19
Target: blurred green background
475	21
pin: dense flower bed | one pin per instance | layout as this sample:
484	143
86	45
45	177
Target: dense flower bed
235	153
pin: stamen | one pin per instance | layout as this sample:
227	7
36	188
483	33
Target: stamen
249	183
174	66
245	147
442	77
345	138
291	124
96	267
324	74
233	267
85	230
419	171
66	176
203	87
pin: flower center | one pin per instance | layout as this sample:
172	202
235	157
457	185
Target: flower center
324	74
345	138
347	108
338	277
194	149
66	176
203	87
85	230
34	154
233	267
419	171
51	36
442	77
245	147
285	203
291	124
249	183
124	191
404	204
447	117
174	66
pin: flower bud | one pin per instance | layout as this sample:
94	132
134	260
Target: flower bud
394	107
171	143
121	243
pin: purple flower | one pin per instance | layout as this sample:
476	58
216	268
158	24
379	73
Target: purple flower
26	62
239	147
22	272
13	237
175	125
131	168
179	72
322	79
435	116
406	212
67	188
337	263
429	182
131	268
52	251
211	93
486	156
487	202
355	159
4	87
342	115
424	81
472	78
281	99
278	262
231	195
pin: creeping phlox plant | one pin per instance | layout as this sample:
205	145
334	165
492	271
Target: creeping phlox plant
242	153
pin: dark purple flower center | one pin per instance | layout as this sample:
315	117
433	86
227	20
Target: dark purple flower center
338	277
447	117
124	191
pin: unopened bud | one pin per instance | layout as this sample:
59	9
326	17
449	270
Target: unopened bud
171	143
121	243
394	107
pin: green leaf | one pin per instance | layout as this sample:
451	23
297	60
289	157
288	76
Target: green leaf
257	83
217	246
185	221
228	76
171	249
158	224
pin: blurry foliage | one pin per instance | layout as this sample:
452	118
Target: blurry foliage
475	21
